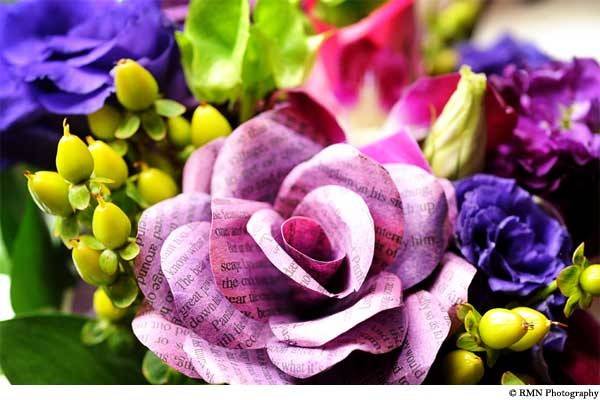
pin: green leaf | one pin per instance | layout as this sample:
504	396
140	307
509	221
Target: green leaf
466	341
120	147
568	280
130	251
154	125
290	48
464	308
491	357
128	127
91	242
154	369
508	378
96	331
67	227
472	325
578	254
109	262
571	304
46	349
168	108
212	47
123	291
13	198
39	274
79	197
585	301
133	193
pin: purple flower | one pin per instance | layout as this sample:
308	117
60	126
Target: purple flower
504	233
505	51
56	55
558	108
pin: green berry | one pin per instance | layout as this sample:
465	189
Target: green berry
104	307
87	262
108	164
208	124
104	122
590	280
461	367
135	86
110	225
73	159
537	328
500	328
155	185
50	192
179	131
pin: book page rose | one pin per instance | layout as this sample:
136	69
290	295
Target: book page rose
288	251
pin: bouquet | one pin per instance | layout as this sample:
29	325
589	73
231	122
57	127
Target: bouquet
284	192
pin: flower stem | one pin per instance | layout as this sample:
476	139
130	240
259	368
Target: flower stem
543	293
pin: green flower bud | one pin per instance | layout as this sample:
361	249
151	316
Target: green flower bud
73	159
179	131
589	280
50	192
104	122
457	19
87	263
110	225
208	124
104	307
455	147
107	163
500	328
537	328
155	185
461	367
135	86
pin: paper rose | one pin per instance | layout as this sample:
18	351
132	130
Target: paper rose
55	57
504	233
505	51
287	252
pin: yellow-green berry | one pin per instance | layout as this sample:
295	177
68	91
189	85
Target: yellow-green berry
108	163
50	192
208	124
73	159
104	307
135	86
110	225
104	122
462	367
155	185
500	328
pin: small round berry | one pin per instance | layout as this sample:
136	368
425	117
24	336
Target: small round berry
104	122
104	307
500	328
73	159
590	280
179	131
110	225
87	263
537	328
108	164
462	367
135	86
50	192
208	124
155	185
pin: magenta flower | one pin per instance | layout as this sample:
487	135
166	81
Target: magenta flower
288	251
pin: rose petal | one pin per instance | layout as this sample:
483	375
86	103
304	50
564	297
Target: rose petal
199	303
382	292
155	224
380	334
198	169
240	269
343	165
451	285
256	157
163	338
234	366
425	212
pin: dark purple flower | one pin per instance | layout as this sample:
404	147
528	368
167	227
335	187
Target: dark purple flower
505	51
56	55
558	108
504	233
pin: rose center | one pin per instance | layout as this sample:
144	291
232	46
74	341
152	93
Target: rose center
308	244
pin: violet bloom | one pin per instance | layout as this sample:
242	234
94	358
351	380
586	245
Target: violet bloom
556	135
56	55
504	233
505	51
287	251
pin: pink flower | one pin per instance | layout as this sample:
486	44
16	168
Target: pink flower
289	250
